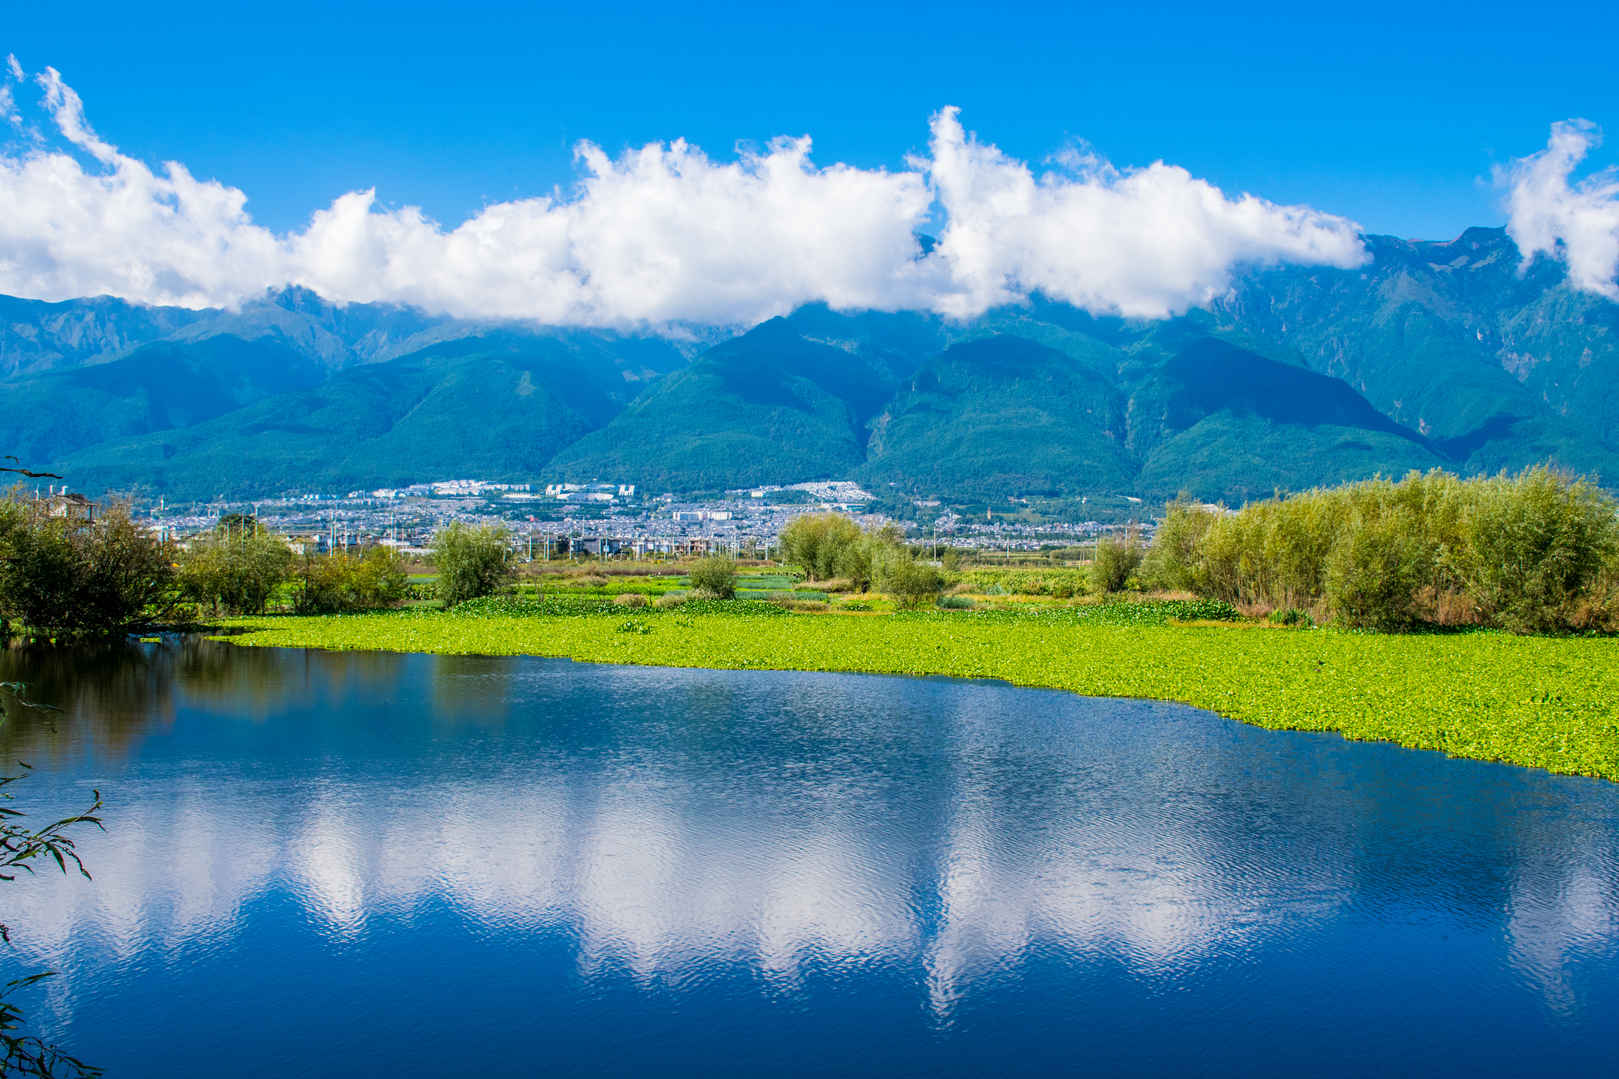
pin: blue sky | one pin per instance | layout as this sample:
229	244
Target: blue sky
1390	114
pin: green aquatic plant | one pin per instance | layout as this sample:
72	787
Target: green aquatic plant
1291	616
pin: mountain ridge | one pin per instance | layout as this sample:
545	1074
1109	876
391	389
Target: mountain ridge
1450	353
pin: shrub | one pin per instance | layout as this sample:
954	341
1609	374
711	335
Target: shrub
669	600
78	576
912	584
471	561
956	603
1116	559
1374	573
236	568
1533	548
1175	561
868	562
341	583
630	599
818	541
715	576
1524	553
830	546
1291	616
1599	609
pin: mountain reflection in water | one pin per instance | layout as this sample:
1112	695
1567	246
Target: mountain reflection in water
743	871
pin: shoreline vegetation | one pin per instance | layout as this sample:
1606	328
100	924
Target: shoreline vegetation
1469	616
1543	702
1472	616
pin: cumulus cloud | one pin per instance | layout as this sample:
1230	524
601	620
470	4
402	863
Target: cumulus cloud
8	98
660	234
656	235
1577	222
1146	242
118	228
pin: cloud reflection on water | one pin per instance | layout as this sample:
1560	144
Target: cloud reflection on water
672	823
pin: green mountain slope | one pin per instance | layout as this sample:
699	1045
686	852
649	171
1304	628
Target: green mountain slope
1002	415
767	407
1500	362
1237	425
1154	412
157	387
498	406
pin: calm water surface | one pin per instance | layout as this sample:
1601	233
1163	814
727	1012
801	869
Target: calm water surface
356	865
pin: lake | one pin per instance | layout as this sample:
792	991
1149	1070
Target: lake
383	865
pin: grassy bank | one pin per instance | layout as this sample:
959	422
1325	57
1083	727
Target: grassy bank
1542	702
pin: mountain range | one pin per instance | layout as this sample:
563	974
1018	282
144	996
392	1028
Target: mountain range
1432	354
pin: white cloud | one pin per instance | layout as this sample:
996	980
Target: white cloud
657	235
1578	222
1146	242
121	229
8	100
68	112
660	234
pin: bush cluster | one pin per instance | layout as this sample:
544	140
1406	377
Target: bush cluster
821	543
1533	553
471	561
342	583
714	577
830	545
240	567
236	568
1117	559
912	584
95	571
78	575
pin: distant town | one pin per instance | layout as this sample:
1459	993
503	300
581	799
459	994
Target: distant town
604	519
